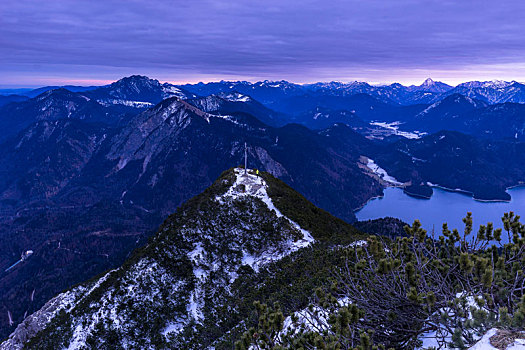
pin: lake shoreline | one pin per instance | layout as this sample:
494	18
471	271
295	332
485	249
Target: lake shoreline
416	195
444	206
471	194
446	189
368	201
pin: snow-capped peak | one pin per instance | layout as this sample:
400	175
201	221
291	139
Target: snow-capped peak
430	85
169	90
428	82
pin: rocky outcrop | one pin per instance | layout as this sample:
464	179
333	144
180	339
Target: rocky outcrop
38	321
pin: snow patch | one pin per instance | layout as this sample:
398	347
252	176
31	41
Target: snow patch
255	186
376	169
394	128
313	319
226	117
173	328
236	97
484	342
134	104
360	243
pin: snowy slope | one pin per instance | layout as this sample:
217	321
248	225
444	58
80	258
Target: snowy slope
170	287
255	186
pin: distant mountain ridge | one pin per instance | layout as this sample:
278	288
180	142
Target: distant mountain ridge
440	114
269	91
492	92
53	105
475	117
429	91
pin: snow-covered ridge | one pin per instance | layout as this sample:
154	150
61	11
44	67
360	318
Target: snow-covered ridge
250	184
487	84
204	114
245	185
310	319
135	104
169	90
40	319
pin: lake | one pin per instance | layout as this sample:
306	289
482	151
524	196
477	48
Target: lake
443	206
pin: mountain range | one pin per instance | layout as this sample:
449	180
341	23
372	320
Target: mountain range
428	92
266	91
88	175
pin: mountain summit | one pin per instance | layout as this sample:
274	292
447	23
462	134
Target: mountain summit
428	82
136	91
430	85
179	290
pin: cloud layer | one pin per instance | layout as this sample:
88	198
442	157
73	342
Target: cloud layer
304	41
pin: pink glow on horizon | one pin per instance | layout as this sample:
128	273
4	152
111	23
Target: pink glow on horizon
74	81
405	77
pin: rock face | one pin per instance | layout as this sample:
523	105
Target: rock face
39	320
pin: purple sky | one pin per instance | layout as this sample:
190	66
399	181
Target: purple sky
93	42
